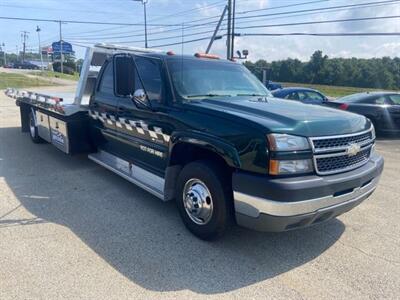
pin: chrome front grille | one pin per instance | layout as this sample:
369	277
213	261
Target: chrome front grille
335	154
321	145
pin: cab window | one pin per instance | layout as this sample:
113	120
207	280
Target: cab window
150	73
107	80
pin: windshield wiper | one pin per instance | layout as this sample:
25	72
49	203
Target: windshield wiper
207	95
252	94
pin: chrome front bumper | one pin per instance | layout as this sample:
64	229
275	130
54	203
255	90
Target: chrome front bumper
253	206
270	204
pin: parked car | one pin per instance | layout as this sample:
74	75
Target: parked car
9	66
382	108
273	85
301	94
25	65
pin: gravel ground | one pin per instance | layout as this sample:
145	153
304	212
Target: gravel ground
71	229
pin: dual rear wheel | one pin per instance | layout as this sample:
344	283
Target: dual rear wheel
33	130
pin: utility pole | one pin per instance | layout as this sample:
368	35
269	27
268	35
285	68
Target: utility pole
61	49
4	52
144	2
229	31
24	36
40	46
233	9
214	37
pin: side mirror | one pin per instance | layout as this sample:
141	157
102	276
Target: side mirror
124	72
140	96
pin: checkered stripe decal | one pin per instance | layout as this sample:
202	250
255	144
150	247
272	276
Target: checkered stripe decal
140	127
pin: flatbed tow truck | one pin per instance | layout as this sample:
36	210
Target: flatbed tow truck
207	133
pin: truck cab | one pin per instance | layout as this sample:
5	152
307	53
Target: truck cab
206	133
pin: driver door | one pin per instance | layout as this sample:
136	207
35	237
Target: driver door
143	129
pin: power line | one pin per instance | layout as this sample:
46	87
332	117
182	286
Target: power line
320	22
314	13
216	17
343	34
185	42
86	22
190	11
325	34
283	6
323	9
316	9
102	30
241	22
264	26
151	40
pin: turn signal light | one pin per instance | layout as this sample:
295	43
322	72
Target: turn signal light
206	55
343	106
273	167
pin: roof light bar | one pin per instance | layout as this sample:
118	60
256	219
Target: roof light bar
206	55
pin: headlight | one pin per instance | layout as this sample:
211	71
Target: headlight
286	142
285	167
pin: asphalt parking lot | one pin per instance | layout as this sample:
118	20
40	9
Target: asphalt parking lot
71	229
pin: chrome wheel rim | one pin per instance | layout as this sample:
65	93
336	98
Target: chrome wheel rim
197	201
32	127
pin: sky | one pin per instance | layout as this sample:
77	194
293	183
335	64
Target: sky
170	19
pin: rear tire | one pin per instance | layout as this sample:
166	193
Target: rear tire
33	130
204	199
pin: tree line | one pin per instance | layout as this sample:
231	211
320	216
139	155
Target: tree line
380	73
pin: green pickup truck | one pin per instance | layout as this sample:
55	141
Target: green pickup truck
206	133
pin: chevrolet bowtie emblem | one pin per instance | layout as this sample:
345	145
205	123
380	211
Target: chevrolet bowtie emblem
353	149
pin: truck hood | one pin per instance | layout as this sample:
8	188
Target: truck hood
286	116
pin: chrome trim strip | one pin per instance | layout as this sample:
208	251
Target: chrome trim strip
142	178
328	150
253	206
325	137
340	153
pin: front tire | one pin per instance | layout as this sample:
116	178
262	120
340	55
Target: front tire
204	199
33	130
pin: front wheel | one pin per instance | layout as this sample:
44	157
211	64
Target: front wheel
204	199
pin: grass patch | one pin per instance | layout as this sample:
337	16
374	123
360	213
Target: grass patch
51	74
330	90
20	81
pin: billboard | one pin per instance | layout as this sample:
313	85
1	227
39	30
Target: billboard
66	47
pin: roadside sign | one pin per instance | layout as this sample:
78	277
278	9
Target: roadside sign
66	47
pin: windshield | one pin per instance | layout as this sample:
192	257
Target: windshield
198	79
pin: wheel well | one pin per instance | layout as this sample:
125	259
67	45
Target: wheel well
183	154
